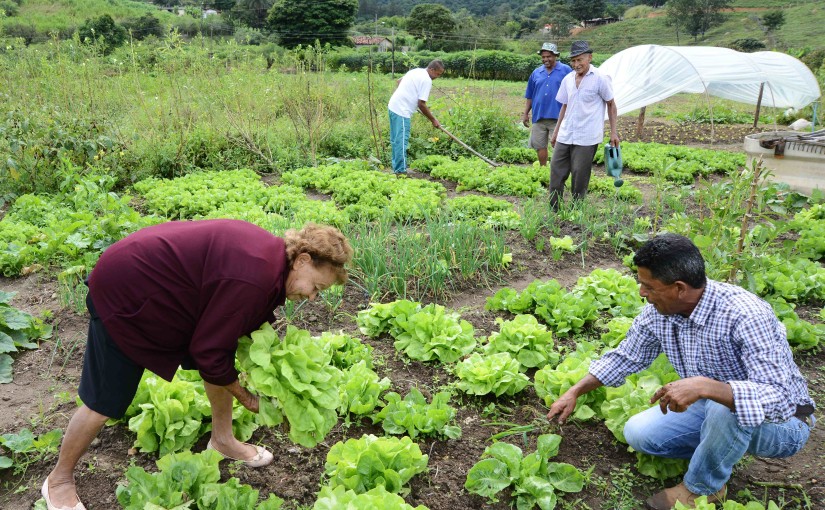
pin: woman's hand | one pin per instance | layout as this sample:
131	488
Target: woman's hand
244	396
250	401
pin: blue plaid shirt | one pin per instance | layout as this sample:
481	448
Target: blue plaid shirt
731	336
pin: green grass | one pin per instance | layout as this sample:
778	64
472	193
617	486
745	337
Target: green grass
63	15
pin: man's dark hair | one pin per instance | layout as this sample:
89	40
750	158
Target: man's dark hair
436	65
671	258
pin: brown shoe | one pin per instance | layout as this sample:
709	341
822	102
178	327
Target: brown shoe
667	499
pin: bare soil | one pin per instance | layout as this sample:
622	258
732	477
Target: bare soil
34	400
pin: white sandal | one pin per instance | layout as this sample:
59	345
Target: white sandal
263	458
44	491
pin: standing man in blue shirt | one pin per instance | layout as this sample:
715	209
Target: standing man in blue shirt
540	96
740	390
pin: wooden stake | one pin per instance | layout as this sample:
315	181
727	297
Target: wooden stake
640	122
758	105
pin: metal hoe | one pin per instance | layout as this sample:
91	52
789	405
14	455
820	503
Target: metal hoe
489	162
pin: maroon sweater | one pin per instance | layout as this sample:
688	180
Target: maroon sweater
185	291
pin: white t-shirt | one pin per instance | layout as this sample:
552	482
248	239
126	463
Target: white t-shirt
415	85
583	122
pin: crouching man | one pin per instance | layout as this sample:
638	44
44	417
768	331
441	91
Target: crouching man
740	390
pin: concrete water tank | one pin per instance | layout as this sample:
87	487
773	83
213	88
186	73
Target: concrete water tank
802	166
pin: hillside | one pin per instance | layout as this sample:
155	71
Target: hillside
63	16
802	28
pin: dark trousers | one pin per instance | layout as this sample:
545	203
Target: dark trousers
570	159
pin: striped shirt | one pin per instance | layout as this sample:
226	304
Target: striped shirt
583	122
731	336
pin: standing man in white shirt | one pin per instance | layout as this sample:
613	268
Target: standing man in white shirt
584	94
411	95
540	96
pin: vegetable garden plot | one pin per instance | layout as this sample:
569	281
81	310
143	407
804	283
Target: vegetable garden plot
466	360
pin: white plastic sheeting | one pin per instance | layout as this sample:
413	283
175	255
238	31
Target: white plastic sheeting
646	74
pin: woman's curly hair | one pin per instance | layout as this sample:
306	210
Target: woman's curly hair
326	245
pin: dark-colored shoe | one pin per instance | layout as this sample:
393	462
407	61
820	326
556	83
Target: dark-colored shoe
667	499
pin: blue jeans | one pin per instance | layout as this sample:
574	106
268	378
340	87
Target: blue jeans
400	141
709	435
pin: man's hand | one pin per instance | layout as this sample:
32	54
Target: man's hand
563	407
436	124
566	404
525	119
614	139
677	396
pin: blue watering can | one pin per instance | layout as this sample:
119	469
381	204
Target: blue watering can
613	164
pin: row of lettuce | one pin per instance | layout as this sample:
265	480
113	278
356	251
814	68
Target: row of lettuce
780	260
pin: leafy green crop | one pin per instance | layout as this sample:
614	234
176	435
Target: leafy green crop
525	339
347	350
701	503
382	318
515	155
512	301
562	243
238	194
70	228
414	416
551	382
484	210
617	329
683	162
810	224
361	391
796	280
171	414
801	334
434	333
477	175
188	481
378	498
533	478
369	462
365	194
633	396
26	449
497	373
614	292
427	163
18	330
564	312
296	372
660	468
